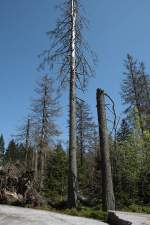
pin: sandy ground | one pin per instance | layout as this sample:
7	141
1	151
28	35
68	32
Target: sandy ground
135	218
22	216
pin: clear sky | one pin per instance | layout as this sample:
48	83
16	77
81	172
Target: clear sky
116	28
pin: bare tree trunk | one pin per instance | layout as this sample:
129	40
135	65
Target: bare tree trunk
81	139
69	48
72	176
81	142
107	184
35	163
27	144
42	158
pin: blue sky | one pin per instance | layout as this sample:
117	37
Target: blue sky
116	28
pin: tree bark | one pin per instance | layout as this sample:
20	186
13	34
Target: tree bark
72	175
35	163
108	198
27	144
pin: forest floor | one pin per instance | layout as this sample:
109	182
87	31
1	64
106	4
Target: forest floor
25	216
135	218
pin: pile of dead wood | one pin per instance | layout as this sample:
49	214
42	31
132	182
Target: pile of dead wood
18	187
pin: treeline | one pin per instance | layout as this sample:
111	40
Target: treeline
131	152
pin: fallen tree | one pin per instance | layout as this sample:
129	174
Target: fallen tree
18	187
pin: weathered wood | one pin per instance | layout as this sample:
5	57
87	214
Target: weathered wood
72	176
108	198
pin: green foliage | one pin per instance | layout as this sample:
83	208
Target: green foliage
15	152
124	132
56	175
88	212
87	187
131	167
126	161
11	151
137	209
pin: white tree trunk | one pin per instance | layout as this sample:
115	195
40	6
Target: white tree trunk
72	179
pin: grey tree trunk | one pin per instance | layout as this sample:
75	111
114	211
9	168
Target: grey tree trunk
72	175
81	136
68	48
35	163
81	140
27	144
108	198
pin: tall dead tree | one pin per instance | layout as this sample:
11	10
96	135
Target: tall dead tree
45	109
72	181
107	184
131	89
67	55
136	92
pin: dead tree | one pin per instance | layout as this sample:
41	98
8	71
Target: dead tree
131	89
25	135
67	55
108	198
45	109
27	141
80	135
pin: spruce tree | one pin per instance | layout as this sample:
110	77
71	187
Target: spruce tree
68	53
45	110
124	131
136	91
56	174
11	151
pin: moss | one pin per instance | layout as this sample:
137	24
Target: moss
93	213
138	208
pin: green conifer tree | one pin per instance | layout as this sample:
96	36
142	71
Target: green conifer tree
11	151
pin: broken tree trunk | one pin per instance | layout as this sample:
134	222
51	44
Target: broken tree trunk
108	198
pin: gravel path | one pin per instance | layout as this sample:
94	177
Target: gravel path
135	218
22	216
